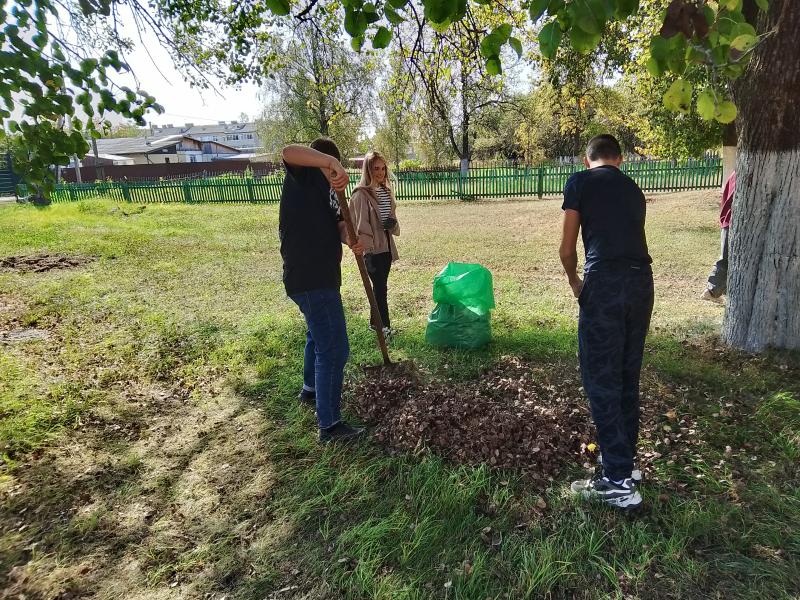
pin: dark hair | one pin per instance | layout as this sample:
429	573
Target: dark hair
327	146
603	146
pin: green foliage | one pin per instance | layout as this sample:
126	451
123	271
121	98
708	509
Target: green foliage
382	38
410	164
320	88
662	131
559	120
679	96
460	73
714	37
549	39
55	88
394	131
59	91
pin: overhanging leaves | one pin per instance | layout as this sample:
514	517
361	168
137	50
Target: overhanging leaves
549	39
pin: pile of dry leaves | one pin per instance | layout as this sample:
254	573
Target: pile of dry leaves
532	417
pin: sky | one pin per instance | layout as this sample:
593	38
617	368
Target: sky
157	75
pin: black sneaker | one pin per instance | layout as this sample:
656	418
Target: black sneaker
307	397
636	473
619	495
341	432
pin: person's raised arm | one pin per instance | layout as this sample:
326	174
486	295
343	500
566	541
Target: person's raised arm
296	155
568	250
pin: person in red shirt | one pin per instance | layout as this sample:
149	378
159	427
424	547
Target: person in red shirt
718	278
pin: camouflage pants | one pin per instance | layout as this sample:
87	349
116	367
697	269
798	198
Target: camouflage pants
615	311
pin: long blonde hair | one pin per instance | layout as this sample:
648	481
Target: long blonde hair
366	170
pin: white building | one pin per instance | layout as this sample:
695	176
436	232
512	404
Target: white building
241	136
160	150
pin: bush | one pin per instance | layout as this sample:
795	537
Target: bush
410	164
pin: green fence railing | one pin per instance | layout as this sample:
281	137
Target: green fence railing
482	182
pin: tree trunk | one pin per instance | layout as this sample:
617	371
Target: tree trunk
764	270
466	154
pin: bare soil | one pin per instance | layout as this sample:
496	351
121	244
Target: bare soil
23	334
40	263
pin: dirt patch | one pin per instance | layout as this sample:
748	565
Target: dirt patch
40	263
531	417
26	334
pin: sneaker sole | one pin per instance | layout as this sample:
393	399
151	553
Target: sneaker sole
630	502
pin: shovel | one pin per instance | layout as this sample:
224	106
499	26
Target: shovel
373	304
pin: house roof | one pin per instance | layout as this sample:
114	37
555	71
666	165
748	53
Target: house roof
219	128
243	156
110	156
145	145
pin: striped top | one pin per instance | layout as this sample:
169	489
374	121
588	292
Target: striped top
384	203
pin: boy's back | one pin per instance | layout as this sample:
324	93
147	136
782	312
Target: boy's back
616	300
612	209
310	243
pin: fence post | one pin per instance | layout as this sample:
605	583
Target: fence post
187	193
540	181
250	194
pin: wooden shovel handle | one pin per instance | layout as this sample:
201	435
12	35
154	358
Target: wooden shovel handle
362	268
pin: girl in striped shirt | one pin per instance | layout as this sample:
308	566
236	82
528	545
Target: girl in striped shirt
374	213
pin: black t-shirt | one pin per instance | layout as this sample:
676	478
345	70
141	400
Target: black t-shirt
612	209
308	227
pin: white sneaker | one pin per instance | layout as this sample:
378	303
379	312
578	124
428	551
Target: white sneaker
619	495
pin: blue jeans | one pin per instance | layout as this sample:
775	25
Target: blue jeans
327	351
615	311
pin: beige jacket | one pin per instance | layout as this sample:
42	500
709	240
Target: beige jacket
367	222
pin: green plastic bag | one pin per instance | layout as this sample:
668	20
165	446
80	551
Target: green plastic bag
456	326
465	284
464	296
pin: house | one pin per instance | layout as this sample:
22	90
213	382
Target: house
240	135
159	150
105	159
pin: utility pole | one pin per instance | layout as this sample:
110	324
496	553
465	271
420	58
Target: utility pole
77	164
99	172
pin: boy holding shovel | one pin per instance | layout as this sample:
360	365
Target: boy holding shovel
311	236
616	301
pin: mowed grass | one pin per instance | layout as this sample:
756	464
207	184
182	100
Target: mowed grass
152	446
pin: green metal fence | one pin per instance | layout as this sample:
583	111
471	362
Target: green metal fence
491	182
8	179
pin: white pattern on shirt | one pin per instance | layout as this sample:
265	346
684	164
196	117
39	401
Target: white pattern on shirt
384	203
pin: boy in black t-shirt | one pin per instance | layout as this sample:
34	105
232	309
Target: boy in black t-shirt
616	301
311	234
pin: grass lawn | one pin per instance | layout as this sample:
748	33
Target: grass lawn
151	444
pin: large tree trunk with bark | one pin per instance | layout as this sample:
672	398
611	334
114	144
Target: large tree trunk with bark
764	266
